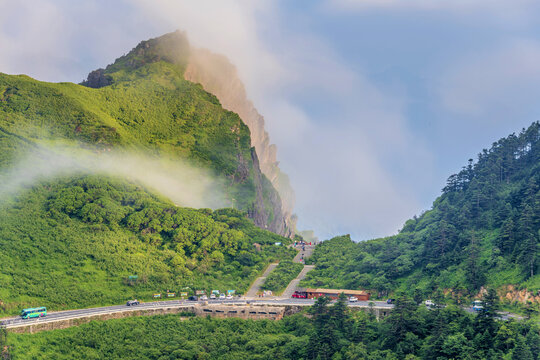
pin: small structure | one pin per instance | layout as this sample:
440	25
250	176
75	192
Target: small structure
332	293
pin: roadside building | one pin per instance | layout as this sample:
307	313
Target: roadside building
331	293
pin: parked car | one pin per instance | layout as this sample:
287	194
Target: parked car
353	299
193	298
429	303
132	302
212	296
204	297
229	297
390	301
222	296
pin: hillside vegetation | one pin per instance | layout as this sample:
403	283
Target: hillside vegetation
146	106
74	243
482	230
281	276
73	240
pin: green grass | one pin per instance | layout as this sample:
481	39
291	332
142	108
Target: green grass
281	276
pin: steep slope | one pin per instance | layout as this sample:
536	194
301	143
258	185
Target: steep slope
74	243
218	76
482	230
269	210
72	240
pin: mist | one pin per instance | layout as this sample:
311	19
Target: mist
368	122
182	183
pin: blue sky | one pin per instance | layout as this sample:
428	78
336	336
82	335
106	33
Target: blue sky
372	103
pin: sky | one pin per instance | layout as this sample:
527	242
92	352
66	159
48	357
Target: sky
371	103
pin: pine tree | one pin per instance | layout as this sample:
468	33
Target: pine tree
528	248
521	350
533	341
506	237
485	320
474	274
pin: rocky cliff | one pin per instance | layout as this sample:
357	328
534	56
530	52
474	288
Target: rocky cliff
274	201
218	76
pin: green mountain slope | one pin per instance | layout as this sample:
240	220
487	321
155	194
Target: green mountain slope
74	243
482	230
146	106
71	240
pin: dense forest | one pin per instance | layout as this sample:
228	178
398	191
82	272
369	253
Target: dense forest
482	230
328	332
74	243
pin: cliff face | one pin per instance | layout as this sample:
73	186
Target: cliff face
274	200
219	77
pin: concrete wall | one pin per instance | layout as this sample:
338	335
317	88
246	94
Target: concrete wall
244	312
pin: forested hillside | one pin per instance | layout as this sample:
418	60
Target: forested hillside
482	230
74	243
71	240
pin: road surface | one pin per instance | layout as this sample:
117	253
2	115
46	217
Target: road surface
256	286
82	313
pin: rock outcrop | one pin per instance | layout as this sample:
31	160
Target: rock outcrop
218	76
274	203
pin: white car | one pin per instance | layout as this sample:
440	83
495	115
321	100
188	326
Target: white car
353	299
222	296
212	297
429	303
229	297
204	297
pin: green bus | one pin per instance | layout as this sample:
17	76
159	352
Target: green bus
34	312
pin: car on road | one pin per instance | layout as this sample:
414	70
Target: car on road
390	301
193	298
213	297
132	302
222	296
204	297
353	299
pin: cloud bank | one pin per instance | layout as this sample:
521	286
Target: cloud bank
181	183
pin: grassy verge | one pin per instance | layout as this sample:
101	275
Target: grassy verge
281	276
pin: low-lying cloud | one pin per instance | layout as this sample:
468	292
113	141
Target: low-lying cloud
183	184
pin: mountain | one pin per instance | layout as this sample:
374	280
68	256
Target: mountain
76	222
218	76
482	231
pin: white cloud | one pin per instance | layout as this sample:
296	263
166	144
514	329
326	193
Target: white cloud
501	79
